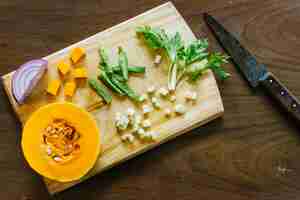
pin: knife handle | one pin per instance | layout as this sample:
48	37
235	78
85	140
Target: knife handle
279	92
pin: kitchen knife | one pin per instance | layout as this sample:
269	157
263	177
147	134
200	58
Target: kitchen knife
254	72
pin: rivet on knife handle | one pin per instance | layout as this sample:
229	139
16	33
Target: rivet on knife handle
275	88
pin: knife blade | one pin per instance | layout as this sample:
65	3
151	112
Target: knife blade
254	72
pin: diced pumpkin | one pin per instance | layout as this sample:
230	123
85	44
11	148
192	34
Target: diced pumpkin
80	72
51	161
69	88
53	87
77	54
63	67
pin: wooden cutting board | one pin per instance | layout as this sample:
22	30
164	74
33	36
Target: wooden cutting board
208	106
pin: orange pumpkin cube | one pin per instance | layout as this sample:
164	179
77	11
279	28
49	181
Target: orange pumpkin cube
53	87
69	88
77	54
63	67
80	72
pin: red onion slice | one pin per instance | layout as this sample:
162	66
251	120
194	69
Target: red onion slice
26	78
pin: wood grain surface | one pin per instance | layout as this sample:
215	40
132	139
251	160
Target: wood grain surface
206	108
252	153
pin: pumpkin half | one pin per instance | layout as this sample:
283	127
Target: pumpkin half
61	142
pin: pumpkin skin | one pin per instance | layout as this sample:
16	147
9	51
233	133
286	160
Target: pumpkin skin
32	142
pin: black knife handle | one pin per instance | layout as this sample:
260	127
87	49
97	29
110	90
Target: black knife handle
279	92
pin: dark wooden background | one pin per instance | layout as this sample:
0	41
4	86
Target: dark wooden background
252	153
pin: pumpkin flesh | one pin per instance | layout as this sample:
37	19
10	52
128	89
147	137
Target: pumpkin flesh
34	149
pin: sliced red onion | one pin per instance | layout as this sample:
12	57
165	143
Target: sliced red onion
26	78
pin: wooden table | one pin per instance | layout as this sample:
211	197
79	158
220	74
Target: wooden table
252	153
